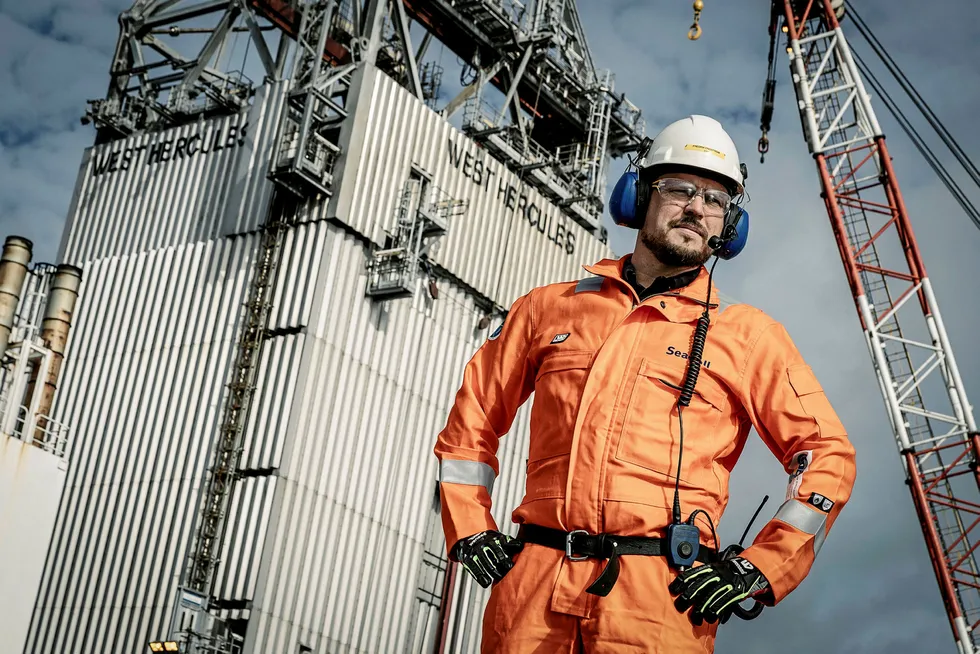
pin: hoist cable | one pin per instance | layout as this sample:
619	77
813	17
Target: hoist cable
914	95
919	142
769	91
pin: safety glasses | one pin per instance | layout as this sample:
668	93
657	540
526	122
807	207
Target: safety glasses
683	192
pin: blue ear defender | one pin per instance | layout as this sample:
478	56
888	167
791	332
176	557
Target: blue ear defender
622	202
628	197
735	233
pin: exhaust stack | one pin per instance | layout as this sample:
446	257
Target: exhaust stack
16	256
58	312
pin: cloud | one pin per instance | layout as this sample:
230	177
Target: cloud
46	80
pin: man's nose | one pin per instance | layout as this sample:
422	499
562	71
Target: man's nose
695	207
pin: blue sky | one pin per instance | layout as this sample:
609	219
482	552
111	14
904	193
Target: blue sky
872	589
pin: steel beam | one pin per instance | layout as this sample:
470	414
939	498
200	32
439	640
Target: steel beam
406	40
161	17
208	51
512	91
374	13
259	40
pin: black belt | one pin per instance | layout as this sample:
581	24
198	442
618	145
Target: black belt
580	544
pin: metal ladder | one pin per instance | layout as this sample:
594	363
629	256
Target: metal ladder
597	136
241	389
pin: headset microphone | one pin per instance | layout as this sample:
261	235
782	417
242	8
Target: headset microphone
728	234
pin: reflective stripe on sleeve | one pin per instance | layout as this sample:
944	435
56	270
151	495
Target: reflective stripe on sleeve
589	284
799	515
818	541
471	473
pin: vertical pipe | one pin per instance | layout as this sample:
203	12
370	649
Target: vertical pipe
16	255
282	54
58	311
445	606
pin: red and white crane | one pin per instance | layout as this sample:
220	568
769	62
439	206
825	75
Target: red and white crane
927	406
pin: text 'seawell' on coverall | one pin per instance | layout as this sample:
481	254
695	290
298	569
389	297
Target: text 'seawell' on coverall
603	452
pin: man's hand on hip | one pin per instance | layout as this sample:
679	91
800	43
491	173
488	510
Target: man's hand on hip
715	590
487	555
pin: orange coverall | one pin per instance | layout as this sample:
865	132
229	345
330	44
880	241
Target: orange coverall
603	454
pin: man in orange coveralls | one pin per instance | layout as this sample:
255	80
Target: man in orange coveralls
595	567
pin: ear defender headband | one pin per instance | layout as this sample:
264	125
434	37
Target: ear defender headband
628	207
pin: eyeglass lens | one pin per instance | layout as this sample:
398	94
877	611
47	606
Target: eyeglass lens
684	191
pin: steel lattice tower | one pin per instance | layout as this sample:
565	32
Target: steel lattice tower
931	418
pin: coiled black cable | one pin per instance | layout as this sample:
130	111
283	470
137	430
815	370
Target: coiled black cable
694	359
687	389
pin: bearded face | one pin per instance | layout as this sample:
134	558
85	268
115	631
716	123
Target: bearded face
677	233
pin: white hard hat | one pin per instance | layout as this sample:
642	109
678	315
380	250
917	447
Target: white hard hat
696	142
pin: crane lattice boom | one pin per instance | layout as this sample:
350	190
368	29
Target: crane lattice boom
930	415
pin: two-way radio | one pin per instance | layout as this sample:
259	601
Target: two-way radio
684	537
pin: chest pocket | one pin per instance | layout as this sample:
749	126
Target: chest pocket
651	435
557	393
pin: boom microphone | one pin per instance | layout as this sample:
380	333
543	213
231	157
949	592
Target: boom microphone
728	234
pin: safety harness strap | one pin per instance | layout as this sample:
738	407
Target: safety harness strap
579	545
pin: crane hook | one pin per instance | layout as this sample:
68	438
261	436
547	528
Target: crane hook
763	146
695	32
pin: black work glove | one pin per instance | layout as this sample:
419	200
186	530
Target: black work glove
487	555
715	590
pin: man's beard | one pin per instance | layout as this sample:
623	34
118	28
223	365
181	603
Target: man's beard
671	255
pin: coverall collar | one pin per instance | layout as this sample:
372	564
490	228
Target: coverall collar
658	285
696	290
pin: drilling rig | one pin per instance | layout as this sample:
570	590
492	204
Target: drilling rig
295	236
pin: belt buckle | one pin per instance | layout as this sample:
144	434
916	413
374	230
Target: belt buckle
568	545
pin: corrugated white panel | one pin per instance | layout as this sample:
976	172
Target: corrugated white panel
31	482
351	392
248	519
511	237
341	564
292	296
185	184
274	395
148	356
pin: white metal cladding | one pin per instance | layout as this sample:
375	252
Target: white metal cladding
146	361
469	599
293	293
510	239
342	558
31	482
275	387
247	522
185	184
351	394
